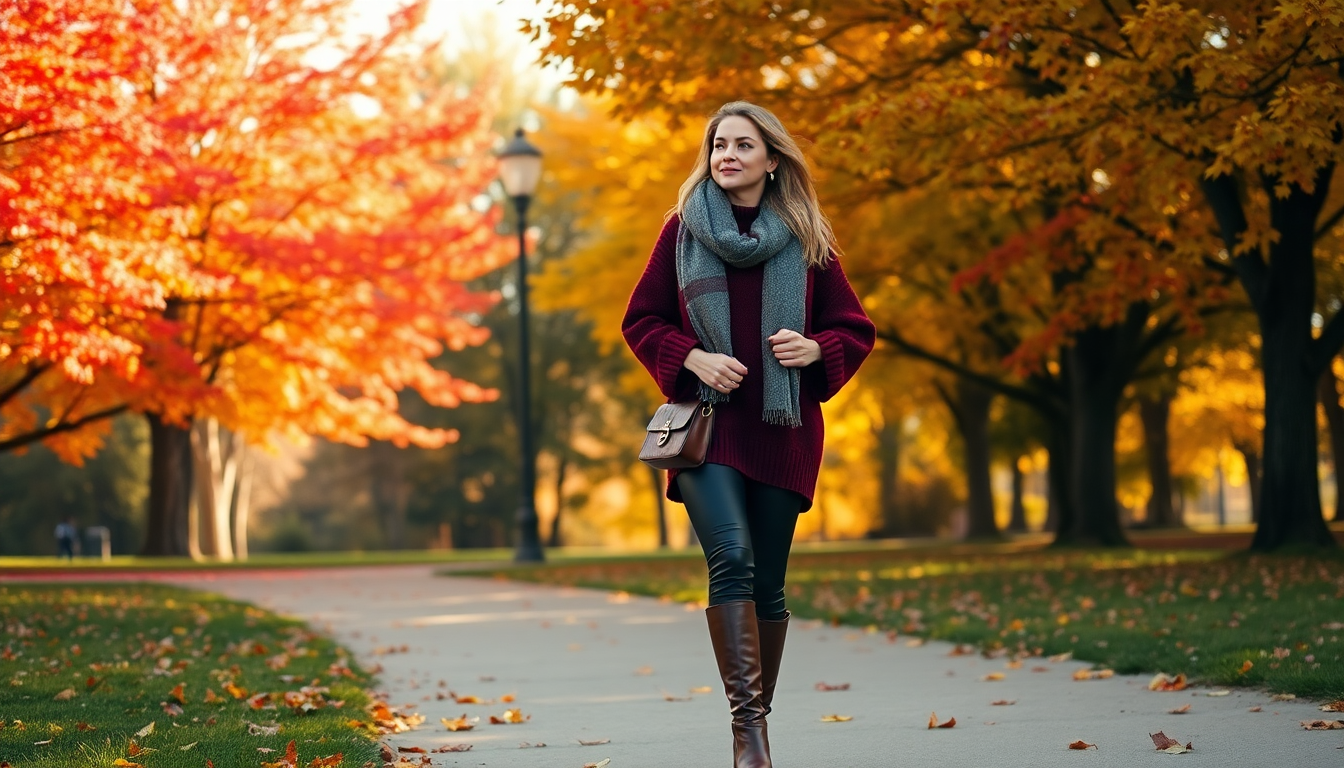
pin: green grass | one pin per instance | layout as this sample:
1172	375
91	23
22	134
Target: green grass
43	564
1203	613
84	667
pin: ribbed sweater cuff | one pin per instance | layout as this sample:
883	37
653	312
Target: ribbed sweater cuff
833	359
671	356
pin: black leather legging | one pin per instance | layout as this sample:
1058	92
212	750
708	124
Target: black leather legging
746	529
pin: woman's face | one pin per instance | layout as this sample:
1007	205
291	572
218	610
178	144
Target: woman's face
738	161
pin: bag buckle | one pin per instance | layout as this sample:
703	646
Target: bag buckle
665	434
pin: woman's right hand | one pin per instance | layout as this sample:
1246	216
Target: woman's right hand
719	372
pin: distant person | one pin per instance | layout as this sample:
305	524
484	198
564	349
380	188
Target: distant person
65	538
744	305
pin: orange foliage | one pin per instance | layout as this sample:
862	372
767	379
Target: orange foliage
216	211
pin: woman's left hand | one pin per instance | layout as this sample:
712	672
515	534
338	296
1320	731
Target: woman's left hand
794	350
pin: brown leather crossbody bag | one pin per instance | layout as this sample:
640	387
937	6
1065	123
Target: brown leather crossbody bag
678	435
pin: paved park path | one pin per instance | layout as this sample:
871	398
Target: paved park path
587	665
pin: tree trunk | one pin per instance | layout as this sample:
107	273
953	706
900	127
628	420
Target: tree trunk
1251	456
1095	383
170	488
894	522
388	490
242	504
1282	288
1156	417
970	410
1328	392
1017	521
216	476
554	539
660	505
1290	495
1059	501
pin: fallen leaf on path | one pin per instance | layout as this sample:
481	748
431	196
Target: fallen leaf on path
1334	706
595	743
961	650
468	699
510	717
1040	669
416	750
1165	743
830	687
507	698
1181	710
603	763
933	721
1283	697
993	676
525	745
701	689
1163	682
452	748
1223	692
1256	708
1080	744
1093	674
1323	725
1058	657
669	697
1003	703
462	723
644	671
836	718
914	642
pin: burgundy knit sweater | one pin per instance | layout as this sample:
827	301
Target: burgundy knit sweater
660	333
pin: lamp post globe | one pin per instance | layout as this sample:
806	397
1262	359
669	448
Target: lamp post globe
520	172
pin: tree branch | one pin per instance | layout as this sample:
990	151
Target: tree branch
29	438
1329	223
1252	271
23	382
1327	345
1022	394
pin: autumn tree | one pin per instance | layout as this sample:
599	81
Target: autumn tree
1207	119
288	212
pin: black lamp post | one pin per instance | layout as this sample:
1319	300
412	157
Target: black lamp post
519	171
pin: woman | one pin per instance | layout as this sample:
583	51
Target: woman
744	305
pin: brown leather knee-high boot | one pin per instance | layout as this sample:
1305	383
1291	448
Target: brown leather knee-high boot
734	634
771	633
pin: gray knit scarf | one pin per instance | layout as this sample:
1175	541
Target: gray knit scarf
708	239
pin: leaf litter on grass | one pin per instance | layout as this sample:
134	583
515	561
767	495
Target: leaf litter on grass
129	639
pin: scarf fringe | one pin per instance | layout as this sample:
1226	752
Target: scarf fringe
782	418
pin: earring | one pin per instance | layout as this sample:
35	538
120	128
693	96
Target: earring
772	175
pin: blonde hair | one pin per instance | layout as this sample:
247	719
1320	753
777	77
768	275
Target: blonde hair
791	195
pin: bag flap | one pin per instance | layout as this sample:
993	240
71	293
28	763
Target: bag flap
673	415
